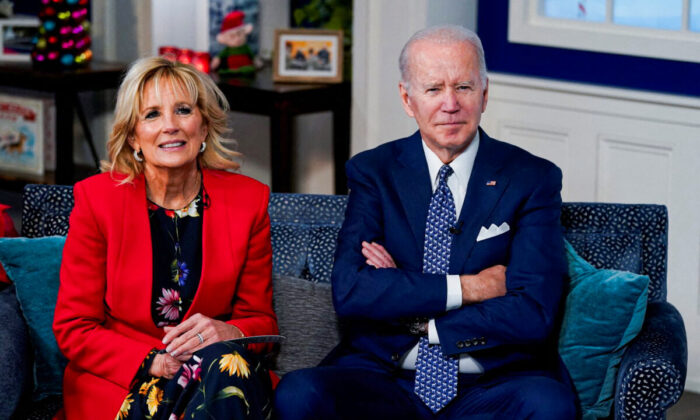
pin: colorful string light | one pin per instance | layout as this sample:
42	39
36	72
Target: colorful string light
63	39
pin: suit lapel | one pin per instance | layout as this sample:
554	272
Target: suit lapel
486	185
412	181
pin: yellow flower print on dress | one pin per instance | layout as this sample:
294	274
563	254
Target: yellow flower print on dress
234	363
144	386
124	410
154	399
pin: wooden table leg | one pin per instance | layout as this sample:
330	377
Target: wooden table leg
64	138
86	129
282	148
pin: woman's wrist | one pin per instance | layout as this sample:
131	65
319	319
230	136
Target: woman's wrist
156	368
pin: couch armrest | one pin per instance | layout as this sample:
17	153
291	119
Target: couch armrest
652	371
15	359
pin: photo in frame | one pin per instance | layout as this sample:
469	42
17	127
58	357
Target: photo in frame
17	38
308	56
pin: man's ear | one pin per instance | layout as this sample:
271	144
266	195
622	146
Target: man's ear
405	100
486	96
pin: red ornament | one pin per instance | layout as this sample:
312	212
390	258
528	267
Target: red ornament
185	56
200	61
169	52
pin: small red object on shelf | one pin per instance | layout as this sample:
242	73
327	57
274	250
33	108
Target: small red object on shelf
198	59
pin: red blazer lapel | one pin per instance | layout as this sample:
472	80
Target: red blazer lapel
133	266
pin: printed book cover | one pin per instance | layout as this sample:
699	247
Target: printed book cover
27	144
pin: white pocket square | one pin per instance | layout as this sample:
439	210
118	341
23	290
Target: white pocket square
492	231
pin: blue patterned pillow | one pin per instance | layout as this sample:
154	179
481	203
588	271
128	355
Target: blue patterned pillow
604	311
33	265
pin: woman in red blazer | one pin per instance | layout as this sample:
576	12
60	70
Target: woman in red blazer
167	258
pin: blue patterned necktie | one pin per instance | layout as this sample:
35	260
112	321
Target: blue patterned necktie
436	374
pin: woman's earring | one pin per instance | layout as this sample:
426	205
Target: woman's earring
203	147
137	157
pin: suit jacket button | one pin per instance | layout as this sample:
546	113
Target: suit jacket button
460	344
467	344
395	357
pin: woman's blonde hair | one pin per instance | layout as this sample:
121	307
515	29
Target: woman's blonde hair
203	92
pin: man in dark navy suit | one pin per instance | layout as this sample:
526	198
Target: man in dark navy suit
449	270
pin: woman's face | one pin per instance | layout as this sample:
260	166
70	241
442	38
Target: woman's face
170	128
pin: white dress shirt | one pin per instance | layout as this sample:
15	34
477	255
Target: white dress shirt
462	166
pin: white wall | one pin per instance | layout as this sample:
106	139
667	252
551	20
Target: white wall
181	23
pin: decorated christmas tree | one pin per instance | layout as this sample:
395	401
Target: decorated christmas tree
64	34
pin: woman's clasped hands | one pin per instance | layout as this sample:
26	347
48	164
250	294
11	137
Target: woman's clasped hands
183	340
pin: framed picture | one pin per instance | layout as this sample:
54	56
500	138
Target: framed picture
17	38
27	141
308	56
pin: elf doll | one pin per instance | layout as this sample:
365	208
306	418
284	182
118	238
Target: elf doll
236	58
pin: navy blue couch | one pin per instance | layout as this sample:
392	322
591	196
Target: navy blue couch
304	230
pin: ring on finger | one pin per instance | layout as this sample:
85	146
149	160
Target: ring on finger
201	339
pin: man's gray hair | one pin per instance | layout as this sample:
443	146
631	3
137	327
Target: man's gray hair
442	34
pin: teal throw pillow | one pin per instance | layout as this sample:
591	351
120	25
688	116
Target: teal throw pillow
604	311
33	265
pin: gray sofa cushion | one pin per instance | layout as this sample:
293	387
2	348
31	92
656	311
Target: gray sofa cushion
304	310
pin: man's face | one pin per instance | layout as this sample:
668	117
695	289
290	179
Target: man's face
446	95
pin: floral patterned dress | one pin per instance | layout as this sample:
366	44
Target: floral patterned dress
220	381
